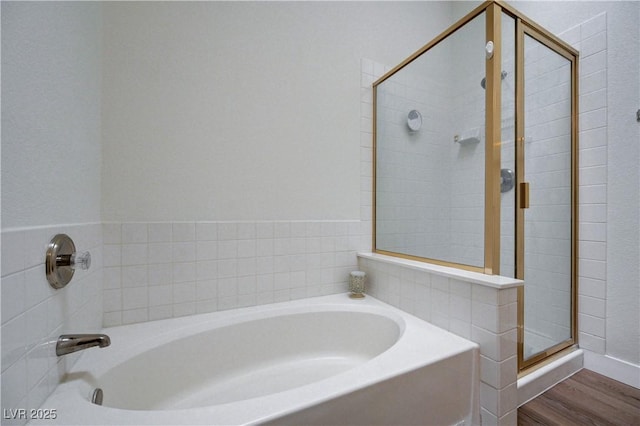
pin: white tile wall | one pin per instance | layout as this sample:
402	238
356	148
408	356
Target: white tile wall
162	270
34	314
485	315
593	182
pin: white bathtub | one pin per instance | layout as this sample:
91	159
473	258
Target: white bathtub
324	360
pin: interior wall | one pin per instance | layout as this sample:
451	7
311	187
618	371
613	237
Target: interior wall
184	111
51	158
51	90
242	110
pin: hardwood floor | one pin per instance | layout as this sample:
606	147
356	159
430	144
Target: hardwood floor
586	398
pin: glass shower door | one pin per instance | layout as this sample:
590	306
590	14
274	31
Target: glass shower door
547	198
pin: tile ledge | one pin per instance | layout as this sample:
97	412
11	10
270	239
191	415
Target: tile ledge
495	281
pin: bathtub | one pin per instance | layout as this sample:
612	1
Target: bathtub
323	360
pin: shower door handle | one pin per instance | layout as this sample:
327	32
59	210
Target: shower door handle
524	195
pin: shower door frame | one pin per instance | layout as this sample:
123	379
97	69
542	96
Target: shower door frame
524	28
493	145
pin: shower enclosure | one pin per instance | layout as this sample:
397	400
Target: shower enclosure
475	164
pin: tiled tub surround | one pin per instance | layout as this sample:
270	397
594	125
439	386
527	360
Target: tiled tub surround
34	314
481	308
170	269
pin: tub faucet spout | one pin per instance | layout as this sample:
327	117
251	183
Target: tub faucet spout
69	343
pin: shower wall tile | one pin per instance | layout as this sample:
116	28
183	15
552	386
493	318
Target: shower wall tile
592	342
594	100
593	184
163	270
34	314
593	82
592	250
593	175
594	306
134	233
591	65
592	157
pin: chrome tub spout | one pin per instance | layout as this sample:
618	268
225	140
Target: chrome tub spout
69	343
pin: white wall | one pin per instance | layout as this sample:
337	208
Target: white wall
243	111
200	111
51	156
51	86
247	113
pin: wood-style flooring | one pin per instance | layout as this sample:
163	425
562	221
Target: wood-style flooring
586	398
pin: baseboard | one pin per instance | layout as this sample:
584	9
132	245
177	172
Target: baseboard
544	378
613	368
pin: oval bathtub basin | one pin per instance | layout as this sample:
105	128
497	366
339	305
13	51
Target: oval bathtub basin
323	360
248	360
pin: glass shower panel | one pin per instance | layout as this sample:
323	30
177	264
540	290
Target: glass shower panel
507	150
430	152
548	220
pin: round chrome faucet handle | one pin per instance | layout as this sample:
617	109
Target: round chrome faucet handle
81	260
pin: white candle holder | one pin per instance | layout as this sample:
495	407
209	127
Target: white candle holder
356	284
